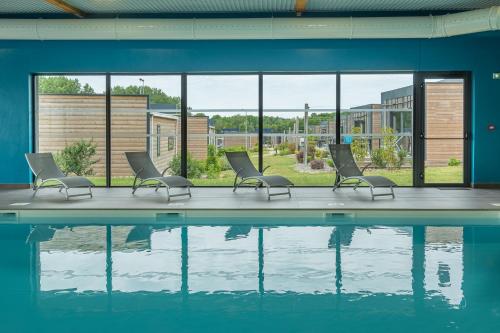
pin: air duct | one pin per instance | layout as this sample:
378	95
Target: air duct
252	28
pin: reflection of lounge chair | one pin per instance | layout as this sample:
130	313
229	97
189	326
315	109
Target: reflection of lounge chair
347	169
46	171
241	164
237	232
147	174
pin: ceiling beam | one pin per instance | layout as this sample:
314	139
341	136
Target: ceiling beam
300	6
67	8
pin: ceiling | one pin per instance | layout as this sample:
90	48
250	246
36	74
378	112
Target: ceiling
155	7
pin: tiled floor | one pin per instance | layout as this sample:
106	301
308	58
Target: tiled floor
247	198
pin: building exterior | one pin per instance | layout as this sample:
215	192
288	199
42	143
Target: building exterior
135	126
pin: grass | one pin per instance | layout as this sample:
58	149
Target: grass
285	166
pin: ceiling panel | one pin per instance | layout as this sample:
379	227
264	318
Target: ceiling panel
238	6
184	6
397	5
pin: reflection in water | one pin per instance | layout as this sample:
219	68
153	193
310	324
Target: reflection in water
284	279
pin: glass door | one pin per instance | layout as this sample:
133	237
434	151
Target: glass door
443	129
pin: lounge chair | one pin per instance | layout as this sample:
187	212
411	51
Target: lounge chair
241	164
46	171
347	169
146	173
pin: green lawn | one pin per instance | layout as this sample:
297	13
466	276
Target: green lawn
285	166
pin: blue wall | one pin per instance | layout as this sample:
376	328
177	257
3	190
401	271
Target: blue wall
478	53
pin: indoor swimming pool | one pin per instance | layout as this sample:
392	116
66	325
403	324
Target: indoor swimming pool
167	272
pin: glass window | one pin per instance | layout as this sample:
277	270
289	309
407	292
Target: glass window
145	116
222	116
71	113
299	123
385	142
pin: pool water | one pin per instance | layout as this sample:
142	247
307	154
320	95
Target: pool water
336	277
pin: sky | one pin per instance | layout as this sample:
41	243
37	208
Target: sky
280	91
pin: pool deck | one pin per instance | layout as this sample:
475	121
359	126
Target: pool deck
249	199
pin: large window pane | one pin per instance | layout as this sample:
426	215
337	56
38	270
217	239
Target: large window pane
299	120
71	113
444	131
222	116
145	116
376	119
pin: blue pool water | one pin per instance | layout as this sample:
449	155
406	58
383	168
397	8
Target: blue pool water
227	275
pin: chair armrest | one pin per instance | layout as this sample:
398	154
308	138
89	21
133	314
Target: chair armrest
365	167
163	172
264	170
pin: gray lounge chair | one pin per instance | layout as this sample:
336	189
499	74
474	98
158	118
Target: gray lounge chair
46	171
241	164
347	169
146	172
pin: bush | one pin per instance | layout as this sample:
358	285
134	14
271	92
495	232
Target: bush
195	167
359	146
292	147
300	157
212	164
454	162
222	151
378	158
317	164
78	158
402	155
284	152
330	163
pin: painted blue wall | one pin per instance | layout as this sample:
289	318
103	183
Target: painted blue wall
19	59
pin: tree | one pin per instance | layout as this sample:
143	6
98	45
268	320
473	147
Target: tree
156	95
62	85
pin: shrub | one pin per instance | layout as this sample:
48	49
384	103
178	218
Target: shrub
292	147
224	164
330	163
378	158
212	164
454	162
195	168
78	158
300	157
222	151
359	146
283	152
402	155
317	164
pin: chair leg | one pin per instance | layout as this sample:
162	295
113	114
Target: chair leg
356	186
268	195
392	192
90	191
371	191
168	193
289	193
235	184
189	191
157	187
67	195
